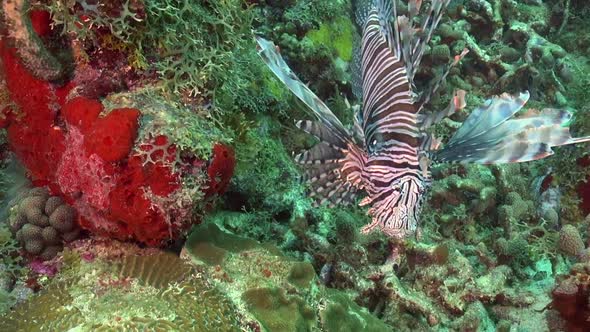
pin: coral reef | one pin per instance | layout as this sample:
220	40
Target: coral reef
90	156
276	291
137	113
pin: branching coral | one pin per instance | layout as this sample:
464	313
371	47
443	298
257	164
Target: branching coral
265	173
510	49
198	50
307	14
458	199
196	43
442	293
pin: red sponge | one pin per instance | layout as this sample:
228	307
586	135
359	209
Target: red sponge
221	169
82	112
111	137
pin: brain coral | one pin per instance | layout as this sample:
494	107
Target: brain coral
39	232
124	294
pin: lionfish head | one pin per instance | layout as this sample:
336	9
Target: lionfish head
397	214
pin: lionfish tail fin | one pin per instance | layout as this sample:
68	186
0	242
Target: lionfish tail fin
333	167
491	135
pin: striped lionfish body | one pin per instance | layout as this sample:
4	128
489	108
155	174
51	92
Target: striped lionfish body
387	154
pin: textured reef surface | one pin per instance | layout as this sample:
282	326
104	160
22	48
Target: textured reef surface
147	181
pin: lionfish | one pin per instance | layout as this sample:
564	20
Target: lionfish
388	152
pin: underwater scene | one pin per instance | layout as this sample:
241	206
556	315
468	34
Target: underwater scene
295	165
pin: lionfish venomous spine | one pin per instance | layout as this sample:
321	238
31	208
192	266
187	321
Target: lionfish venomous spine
388	153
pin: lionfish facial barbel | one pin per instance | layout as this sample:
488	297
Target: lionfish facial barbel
387	154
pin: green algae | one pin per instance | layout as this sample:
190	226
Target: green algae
210	233
265	172
301	274
342	314
337	35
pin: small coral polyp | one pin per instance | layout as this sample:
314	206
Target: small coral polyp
94	158
42	222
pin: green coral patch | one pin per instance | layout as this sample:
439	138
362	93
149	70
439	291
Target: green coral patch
336	35
211	234
207	253
341	314
277	312
301	274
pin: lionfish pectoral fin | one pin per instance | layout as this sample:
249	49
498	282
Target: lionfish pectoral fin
333	166
490	135
370	226
333	173
270	55
366	201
